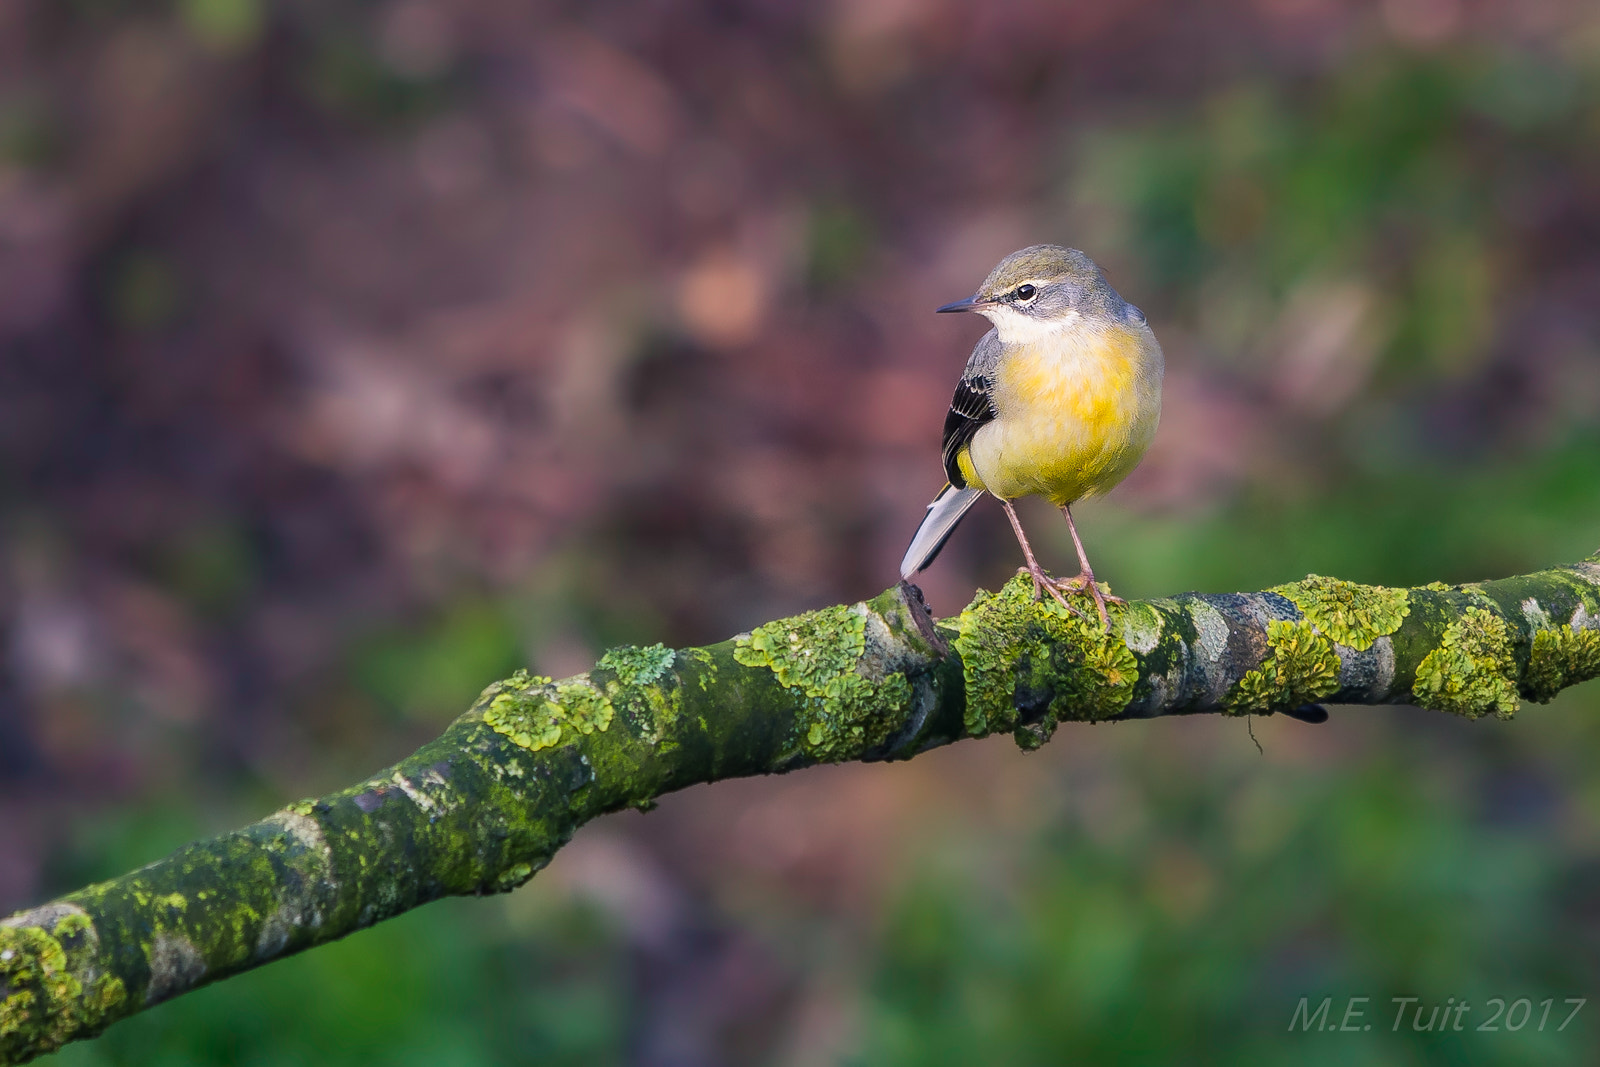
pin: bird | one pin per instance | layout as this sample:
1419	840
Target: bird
1060	399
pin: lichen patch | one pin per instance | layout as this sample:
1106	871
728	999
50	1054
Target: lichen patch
1472	671
1561	656
821	654
1301	667
638	666
1021	655
50	992
1349	613
533	712
513	876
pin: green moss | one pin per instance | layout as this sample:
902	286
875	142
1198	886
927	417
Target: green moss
847	713
1301	667
72	925
45	1004
1018	652
533	712
1561	656
638	666
106	996
1351	614
1472	671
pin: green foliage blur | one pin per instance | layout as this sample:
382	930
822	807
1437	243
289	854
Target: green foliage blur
1165	894
1192	936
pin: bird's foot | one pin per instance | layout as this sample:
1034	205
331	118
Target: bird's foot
1085	583
1043	583
1082	584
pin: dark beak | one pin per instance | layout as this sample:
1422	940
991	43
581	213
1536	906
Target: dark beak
971	303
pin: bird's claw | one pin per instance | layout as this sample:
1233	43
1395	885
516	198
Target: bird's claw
1043	583
1085	583
1080	584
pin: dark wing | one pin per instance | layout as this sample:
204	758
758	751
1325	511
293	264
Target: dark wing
970	408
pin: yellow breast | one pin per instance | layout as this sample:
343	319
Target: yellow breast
1075	410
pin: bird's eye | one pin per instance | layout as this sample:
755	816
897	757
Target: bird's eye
1025	292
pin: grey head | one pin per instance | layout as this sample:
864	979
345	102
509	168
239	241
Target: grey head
1046	283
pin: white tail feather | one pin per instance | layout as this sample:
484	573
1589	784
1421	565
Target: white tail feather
943	514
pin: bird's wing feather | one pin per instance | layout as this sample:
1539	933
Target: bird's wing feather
972	405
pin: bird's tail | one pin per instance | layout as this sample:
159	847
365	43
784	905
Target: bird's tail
937	526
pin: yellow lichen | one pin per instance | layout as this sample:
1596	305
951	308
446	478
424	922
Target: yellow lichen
1354	615
1561	656
819	653
43	1003
1301	667
513	876
1472	671
533	712
1015	648
586	708
520	679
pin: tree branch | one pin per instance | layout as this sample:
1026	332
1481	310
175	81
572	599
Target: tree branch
489	802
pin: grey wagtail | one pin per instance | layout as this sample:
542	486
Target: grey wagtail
1059	400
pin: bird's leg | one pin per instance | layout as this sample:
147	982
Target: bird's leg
1084	582
1042	582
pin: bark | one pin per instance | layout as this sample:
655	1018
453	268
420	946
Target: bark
488	803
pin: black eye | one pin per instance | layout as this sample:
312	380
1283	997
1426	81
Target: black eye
1025	292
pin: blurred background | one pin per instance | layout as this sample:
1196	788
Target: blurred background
353	354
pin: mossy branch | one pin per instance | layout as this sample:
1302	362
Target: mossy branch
487	804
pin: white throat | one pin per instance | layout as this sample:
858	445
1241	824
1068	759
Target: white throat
1017	328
